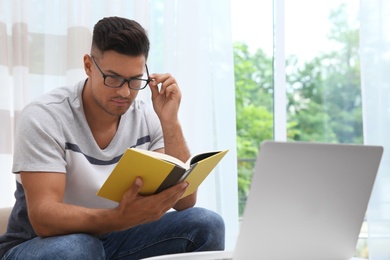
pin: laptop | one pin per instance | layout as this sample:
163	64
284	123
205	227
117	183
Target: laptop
306	201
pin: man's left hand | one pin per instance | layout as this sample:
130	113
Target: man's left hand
166	96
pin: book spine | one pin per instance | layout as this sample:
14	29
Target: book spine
173	178
187	173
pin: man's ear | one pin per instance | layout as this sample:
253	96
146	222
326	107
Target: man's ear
88	65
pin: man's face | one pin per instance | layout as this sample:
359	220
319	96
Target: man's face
114	101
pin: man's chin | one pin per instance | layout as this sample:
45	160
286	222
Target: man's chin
117	112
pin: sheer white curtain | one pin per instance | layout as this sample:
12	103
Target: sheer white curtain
375	68
42	44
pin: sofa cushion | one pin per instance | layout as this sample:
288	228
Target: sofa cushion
4	215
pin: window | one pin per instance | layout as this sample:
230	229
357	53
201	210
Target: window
252	28
323	91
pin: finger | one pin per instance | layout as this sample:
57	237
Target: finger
153	85
164	79
159	84
159	78
171	195
171	90
168	84
135	188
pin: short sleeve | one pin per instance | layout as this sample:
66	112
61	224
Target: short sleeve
39	142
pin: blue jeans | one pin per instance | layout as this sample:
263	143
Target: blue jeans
194	229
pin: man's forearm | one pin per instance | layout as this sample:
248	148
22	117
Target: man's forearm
64	219
175	144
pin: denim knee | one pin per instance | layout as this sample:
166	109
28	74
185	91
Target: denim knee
210	229
77	246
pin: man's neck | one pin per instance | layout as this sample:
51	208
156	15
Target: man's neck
102	125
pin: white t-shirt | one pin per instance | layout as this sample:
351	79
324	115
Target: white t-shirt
53	136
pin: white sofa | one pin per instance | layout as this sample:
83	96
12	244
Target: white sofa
4	214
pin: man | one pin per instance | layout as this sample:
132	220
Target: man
68	141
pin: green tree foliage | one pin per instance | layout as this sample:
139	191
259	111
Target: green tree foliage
254	102
324	98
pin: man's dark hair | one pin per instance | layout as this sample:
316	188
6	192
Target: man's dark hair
121	35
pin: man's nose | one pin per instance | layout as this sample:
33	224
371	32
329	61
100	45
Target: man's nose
124	90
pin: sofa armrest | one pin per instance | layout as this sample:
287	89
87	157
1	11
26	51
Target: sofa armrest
4	215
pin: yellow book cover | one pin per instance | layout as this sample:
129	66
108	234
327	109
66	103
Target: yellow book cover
159	171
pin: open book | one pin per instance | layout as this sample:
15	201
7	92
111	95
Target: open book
159	171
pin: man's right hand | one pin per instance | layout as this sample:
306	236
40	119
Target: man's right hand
135	209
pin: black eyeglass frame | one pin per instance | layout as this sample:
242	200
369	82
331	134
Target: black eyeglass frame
124	80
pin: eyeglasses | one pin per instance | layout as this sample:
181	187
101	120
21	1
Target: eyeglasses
117	82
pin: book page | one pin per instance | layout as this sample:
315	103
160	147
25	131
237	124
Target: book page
162	156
